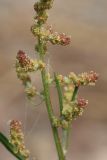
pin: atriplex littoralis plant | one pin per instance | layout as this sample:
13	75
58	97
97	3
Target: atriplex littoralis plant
70	106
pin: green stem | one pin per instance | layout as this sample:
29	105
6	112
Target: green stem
48	103
74	94
65	135
65	132
61	107
59	93
50	114
10	147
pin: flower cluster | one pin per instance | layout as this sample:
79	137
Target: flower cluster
17	139
25	65
30	90
40	8
23	58
59	39
73	107
82	103
43	5
48	35
82	79
71	110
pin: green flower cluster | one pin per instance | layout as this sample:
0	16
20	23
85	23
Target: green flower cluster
40	8
72	107
17	139
70	112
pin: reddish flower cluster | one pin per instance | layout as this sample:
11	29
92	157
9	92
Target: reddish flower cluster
16	125
81	102
88	78
59	39
23	58
93	77
49	35
64	40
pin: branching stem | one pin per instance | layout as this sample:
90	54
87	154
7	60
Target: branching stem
65	132
48	103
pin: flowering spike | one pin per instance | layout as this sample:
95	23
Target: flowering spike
17	139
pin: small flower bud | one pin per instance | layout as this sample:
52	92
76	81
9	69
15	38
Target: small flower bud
82	103
67	111
49	79
64	40
30	91
65	124
35	30
55	122
60	78
74	78
66	80
93	77
42	18
41	65
77	112
60	39
23	77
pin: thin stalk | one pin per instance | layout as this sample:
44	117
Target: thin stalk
10	147
61	107
74	94
50	114
59	93
48	104
65	135
65	132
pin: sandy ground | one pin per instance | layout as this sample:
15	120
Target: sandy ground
86	21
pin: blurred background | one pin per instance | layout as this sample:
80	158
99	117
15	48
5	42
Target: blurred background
86	22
